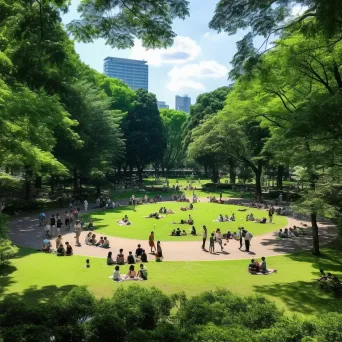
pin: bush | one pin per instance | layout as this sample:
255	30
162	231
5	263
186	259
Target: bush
7	251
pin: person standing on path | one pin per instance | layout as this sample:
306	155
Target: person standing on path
78	229
59	225
248	238
241	235
220	196
151	242
271	213
85	205
53	225
159	252
205	235
67	220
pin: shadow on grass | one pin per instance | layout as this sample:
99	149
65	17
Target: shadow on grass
295	245
46	294
302	297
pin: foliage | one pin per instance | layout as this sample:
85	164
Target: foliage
173	121
144	132
120	22
7	250
138	313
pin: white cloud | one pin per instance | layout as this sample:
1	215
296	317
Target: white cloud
183	50
207	34
190	76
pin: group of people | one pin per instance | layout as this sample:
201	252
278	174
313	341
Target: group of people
255	267
91	240
250	217
61	250
124	221
139	256
290	232
106	203
225	218
142	274
329	281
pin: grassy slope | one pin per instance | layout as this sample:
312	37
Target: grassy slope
35	276
203	214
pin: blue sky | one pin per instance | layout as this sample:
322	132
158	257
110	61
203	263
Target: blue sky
198	61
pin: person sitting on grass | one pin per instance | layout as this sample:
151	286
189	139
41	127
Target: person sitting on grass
183	233
92	240
130	258
191	206
120	258
131	273
87	239
173	233
100	243
263	268
252	267
178	232
262	221
138	252
61	250
46	246
143	257
69	251
170	211
193	231
232	218
116	274
142	274
110	260
91	224
220	218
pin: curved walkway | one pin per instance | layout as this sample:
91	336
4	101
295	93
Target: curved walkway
25	231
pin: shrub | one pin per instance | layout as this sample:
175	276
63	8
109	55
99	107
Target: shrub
7	251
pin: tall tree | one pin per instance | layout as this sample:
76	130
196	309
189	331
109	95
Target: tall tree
173	121
144	132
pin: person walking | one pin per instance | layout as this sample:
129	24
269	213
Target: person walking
151	242
85	203
219	238
59	225
78	229
205	235
248	238
53	225
67	220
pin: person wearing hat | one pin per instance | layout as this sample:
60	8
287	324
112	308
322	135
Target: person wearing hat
78	229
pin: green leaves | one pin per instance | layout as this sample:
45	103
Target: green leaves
120	22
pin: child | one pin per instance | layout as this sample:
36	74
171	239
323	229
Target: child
212	244
116	274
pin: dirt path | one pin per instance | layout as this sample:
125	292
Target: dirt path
25	231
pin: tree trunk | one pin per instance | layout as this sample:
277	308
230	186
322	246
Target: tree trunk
140	173
232	175
27	185
75	180
98	190
215	175
38	182
280	175
258	172
315	238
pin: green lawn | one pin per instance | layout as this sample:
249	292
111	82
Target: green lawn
203	214
34	276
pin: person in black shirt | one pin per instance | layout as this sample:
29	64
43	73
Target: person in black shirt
143	256
138	251
59	225
53	225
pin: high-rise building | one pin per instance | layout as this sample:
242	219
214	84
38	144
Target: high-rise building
183	103
162	104
130	71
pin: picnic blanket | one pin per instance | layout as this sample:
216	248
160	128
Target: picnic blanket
259	273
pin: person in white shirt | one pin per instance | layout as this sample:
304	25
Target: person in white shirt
219	238
116	274
248	238
85	205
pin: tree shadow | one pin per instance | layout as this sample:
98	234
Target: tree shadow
303	297
295	245
46	294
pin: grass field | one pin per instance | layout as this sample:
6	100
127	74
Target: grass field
34	276
203	214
